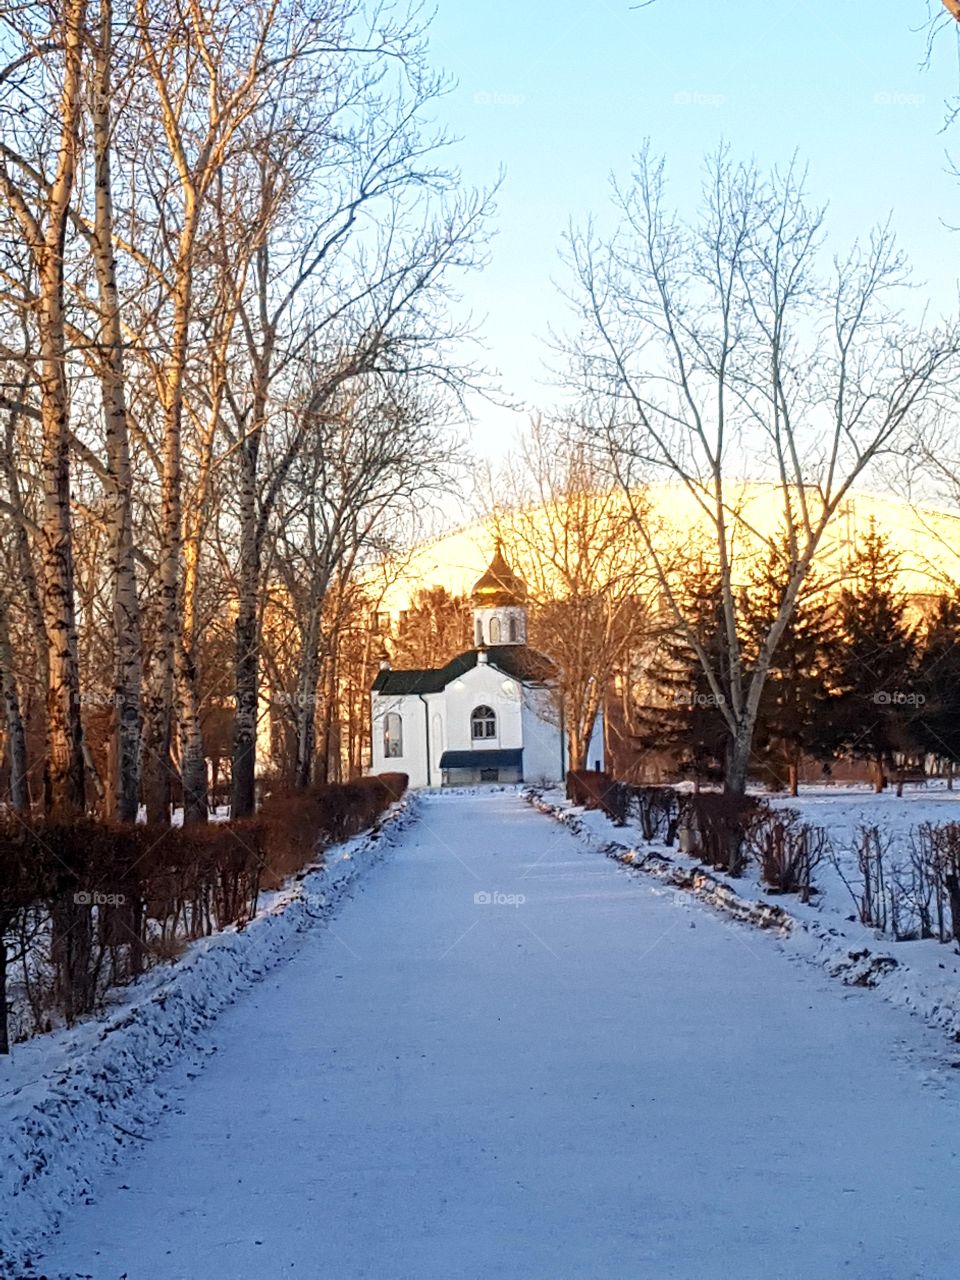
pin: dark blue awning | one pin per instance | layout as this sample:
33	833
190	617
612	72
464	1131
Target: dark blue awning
497	758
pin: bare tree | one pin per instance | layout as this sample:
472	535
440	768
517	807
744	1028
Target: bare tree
574	541
218	223
364	469
124	789
346	313
41	205
206	85
723	349
13	718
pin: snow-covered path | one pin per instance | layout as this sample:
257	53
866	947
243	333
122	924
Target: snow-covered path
599	1082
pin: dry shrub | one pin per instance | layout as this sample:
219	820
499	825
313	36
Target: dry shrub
396	784
293	827
788	851
718	826
658	809
595	790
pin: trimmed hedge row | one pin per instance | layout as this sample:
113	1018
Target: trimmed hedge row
86	906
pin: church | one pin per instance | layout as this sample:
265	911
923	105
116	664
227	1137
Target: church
491	715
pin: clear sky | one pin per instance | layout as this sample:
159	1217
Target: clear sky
559	94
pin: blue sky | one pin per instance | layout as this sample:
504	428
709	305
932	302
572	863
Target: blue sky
561	94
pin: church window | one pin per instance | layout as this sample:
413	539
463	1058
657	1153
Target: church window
483	723
514	630
494	630
393	736
479	633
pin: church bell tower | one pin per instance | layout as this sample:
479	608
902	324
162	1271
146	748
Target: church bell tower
499	606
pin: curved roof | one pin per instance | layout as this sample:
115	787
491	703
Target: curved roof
499	585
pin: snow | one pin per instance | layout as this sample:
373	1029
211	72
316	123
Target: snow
73	1100
590	1075
922	976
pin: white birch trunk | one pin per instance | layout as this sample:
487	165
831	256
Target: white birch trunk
123	795
65	767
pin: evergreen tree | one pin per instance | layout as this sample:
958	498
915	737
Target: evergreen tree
796	688
872	714
938	681
682	715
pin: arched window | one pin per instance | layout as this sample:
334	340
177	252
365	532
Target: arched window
483	723
479	633
494	630
514	629
392	736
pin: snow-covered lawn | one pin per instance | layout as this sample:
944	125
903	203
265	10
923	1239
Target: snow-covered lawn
509	1059
923	976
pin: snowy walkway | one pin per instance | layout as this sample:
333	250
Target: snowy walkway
598	1083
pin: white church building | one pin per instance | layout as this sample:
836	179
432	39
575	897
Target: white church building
489	715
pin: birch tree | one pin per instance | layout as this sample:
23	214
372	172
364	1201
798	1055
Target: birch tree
13	718
210	71
216	223
41	205
364	295
124	779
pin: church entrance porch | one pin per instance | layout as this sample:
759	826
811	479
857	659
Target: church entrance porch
471	768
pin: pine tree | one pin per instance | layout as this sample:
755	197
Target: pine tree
938	681
796	688
872	713
682	715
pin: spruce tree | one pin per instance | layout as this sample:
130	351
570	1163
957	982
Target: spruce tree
796	689
682	715
938	681
872	713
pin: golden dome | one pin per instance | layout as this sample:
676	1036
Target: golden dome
499	586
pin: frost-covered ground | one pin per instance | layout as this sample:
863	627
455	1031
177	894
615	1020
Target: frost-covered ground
923	976
507	1058
842	810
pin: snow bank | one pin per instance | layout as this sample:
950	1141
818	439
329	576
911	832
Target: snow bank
71	1101
923	977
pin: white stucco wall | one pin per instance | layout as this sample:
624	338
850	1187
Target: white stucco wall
504	616
413	762
483	685
544	751
596	752
524	719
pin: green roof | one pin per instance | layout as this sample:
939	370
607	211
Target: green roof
514	660
495	758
